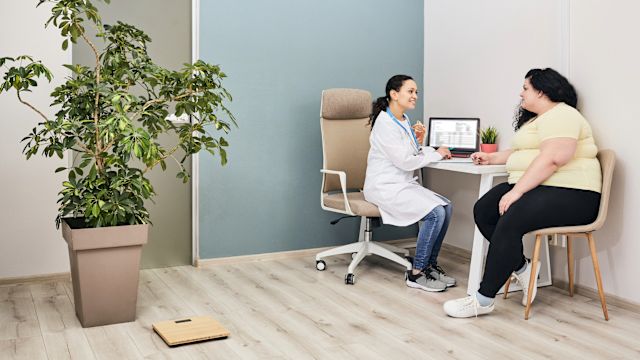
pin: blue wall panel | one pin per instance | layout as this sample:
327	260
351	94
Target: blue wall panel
279	55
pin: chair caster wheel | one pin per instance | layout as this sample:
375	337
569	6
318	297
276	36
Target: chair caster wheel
321	265
349	279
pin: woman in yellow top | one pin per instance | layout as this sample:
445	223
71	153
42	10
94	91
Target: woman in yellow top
554	180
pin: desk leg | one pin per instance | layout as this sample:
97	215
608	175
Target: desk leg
479	246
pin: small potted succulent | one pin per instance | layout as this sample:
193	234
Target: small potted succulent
488	138
109	117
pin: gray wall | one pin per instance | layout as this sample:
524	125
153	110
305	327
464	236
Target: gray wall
279	56
168	23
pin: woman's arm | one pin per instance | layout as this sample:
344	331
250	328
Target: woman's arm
554	153
496	158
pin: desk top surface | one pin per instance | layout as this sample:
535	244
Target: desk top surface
469	168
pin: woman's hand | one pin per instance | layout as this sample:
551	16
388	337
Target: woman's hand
419	130
480	158
444	151
507	200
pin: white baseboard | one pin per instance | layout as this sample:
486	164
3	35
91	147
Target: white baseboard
593	295
405	243
35	278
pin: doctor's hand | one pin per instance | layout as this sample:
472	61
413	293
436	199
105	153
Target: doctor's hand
507	200
480	158
444	151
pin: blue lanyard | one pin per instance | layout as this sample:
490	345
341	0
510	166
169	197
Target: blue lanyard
412	135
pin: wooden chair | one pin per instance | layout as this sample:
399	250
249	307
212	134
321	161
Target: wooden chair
607	162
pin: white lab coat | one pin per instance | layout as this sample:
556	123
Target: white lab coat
390	182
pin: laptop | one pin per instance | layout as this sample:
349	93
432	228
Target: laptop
460	135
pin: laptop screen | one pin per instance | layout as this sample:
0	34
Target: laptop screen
459	134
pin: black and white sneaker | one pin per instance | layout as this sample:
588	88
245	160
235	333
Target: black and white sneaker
438	273
424	281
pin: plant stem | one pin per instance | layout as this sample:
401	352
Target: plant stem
99	149
31	106
170	153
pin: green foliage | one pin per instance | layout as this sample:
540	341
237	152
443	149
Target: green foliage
489	135
111	115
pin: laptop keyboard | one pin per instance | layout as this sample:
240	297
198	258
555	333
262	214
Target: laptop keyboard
457	160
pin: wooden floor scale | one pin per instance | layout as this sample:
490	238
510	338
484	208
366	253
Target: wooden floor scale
190	330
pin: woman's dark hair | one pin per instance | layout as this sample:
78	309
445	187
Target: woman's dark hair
551	83
381	103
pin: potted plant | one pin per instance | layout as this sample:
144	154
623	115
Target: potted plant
488	138
109	116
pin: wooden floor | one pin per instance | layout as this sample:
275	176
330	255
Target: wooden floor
286	309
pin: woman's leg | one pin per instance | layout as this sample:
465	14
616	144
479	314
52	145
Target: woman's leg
427	236
542	207
485	211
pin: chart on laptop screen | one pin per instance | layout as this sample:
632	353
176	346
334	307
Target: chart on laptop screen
458	133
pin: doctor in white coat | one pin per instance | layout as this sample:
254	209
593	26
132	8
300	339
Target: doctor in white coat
391	184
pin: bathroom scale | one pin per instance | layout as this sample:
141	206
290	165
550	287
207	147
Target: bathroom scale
190	330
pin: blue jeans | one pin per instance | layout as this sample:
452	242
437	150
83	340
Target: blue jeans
430	236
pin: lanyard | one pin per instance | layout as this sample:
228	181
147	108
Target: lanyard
411	135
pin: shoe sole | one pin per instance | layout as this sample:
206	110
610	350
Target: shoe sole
413	285
466	316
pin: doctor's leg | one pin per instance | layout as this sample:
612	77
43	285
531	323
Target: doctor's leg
433	259
433	268
427	236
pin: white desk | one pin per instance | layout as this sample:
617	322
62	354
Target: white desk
479	248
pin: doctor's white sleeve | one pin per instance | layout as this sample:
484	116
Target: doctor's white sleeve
402	155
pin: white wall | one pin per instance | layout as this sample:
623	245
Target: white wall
476	54
30	243
605	69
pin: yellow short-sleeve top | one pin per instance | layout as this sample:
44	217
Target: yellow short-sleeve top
562	121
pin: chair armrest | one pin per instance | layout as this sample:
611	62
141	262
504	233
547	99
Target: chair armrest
343	186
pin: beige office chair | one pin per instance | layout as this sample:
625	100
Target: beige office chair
344	114
607	162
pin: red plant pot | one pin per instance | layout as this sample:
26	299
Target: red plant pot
488	148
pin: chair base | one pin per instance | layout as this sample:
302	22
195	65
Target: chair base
366	247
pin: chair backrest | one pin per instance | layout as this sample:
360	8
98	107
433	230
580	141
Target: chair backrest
344	114
607	160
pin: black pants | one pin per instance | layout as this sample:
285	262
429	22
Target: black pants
541	207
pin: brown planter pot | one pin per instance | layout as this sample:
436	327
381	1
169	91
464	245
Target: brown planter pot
105	266
488	148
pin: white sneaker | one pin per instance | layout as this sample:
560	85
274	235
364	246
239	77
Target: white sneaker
523	280
466	307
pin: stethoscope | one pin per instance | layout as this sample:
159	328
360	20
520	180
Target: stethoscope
409	132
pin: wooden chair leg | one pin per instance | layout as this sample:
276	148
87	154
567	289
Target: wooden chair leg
570	264
596	269
506	288
532	282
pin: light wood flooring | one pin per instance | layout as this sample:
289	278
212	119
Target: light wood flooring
286	309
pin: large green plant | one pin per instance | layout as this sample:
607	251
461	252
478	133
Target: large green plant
111	114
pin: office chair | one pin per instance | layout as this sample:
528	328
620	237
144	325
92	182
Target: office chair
607	162
344	114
